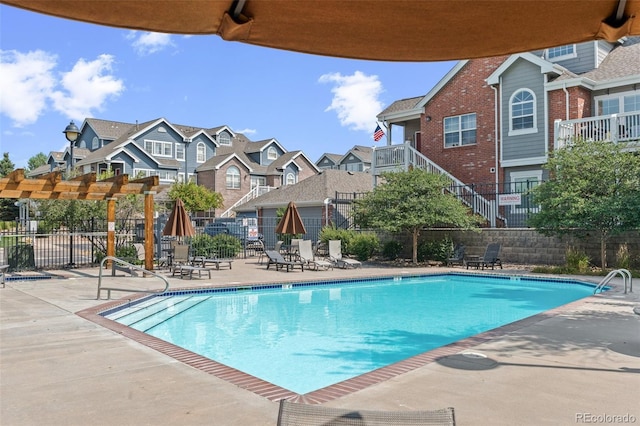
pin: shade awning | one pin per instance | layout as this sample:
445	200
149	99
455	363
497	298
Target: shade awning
392	30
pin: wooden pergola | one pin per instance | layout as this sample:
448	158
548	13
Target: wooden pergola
87	187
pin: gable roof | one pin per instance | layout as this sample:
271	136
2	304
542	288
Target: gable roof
545	66
363	153
313	190
334	158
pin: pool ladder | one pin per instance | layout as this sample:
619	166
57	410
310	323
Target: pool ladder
626	277
131	268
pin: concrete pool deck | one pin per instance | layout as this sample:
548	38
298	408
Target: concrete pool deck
578	364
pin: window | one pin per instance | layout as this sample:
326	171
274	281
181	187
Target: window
201	153
258	181
460	130
561	52
291	179
609	106
233	177
163	175
179	151
159	148
95	143
224	139
272	153
522	112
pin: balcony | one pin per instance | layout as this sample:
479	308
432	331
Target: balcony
615	128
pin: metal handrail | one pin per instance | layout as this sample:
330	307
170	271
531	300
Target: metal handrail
624	273
132	267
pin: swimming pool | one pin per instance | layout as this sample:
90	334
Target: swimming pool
306	336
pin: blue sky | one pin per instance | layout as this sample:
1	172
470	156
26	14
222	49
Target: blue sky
55	70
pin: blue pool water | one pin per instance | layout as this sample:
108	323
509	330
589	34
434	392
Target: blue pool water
305	337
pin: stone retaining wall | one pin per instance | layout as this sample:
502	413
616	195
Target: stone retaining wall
526	246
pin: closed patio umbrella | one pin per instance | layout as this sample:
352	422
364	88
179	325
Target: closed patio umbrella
179	223
291	223
391	30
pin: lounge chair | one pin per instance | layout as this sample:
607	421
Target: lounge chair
335	254
490	258
291	413
276	259
306	256
180	257
457	258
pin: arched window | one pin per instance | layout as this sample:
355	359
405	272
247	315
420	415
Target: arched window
201	154
272	153
233	178
291	179
523	112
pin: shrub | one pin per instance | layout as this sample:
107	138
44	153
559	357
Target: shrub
364	245
439	250
577	260
203	245
392	249
623	257
345	235
225	246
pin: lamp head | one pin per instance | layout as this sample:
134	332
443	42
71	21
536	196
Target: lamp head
71	132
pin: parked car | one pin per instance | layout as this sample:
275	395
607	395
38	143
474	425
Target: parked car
230	228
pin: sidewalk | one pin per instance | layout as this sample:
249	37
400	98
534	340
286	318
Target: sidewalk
59	369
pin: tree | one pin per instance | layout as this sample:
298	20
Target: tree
8	209
593	187
6	165
409	201
36	161
195	197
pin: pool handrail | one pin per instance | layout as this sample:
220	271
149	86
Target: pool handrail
131	267
624	273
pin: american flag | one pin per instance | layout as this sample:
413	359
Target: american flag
378	133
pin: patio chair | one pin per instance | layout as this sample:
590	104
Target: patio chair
306	256
275	258
180	257
291	413
335	254
490	258
3	273
457	258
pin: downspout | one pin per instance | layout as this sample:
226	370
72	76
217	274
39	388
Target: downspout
566	101
497	162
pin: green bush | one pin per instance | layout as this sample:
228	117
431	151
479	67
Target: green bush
364	245
392	249
577	260
439	250
623	257
225	245
345	235
203	245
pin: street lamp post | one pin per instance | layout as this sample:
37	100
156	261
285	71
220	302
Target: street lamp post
71	132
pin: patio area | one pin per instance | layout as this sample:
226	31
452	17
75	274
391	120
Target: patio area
576	364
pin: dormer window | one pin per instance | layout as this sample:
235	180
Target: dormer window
272	153
561	52
224	139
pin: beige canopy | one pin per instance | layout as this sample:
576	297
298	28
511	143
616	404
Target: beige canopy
392	30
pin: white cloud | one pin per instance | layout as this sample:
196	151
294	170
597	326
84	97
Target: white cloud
29	86
247	131
87	87
148	43
355	99
27	79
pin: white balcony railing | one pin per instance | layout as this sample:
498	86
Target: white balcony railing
400	157
623	127
255	192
